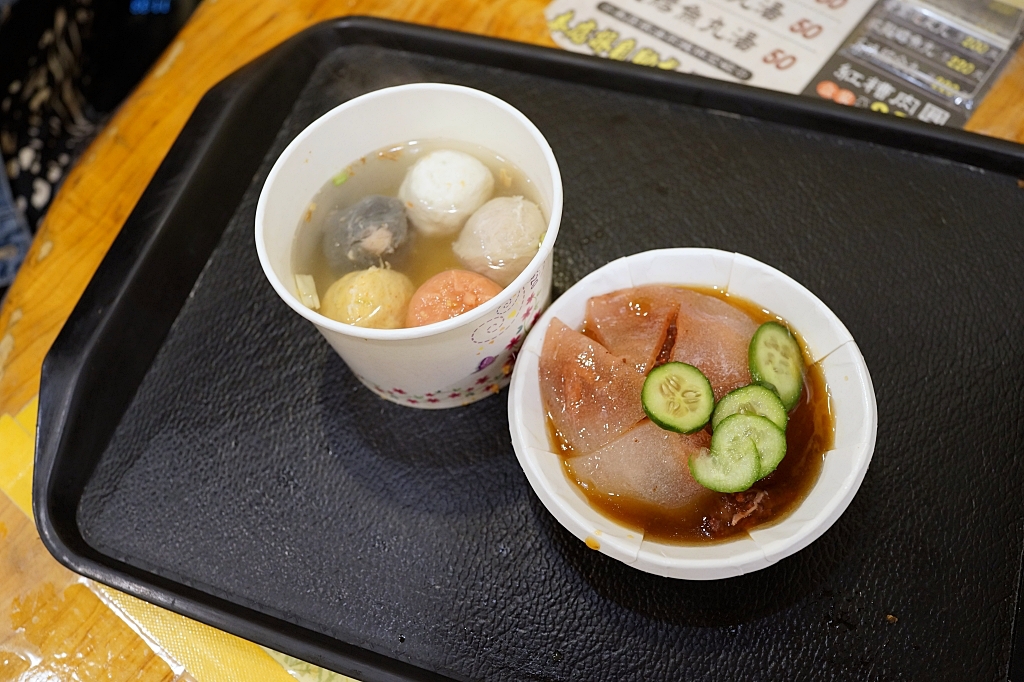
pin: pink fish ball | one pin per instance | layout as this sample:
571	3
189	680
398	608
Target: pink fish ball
447	295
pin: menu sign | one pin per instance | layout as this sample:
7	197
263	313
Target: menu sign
912	59
927	59
776	44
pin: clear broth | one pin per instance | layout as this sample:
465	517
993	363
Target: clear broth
381	172
809	436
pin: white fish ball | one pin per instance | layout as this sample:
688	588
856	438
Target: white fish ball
376	298
442	190
501	238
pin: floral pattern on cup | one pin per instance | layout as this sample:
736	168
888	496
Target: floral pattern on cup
490	381
522	310
498	340
493	377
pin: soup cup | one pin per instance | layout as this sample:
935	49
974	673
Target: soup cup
826	340
448	363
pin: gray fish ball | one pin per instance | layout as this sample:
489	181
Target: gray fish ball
373	227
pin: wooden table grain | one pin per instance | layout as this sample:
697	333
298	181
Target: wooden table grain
90	209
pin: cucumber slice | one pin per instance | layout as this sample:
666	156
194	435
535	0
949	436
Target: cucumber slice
730	471
776	362
753	399
768	439
678	397
744	448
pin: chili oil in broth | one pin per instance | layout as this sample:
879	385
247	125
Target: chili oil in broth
381	172
721	516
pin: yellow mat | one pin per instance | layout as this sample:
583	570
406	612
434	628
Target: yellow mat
16	450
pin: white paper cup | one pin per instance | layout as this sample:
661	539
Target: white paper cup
827	340
445	364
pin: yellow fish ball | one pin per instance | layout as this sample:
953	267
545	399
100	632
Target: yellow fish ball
377	298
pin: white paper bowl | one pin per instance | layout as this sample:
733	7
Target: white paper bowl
827	340
445	364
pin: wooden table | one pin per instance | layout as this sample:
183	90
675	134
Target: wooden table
71	626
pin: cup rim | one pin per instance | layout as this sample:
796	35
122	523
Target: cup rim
710	561
435	328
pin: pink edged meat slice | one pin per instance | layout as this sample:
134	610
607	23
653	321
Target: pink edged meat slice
714	337
632	323
591	395
646	465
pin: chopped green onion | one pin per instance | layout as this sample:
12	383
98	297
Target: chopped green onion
341	177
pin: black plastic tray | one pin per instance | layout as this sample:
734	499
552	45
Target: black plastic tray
202	448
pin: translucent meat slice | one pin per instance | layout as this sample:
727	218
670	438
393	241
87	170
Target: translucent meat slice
633	322
646	465
714	337
591	395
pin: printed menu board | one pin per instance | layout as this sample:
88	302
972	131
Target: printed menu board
915	59
902	57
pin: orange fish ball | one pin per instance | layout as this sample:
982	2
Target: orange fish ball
447	295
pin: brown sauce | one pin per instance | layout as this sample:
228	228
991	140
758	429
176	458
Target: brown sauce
722	516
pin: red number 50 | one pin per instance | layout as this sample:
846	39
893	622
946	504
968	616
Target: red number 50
780	59
807	29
